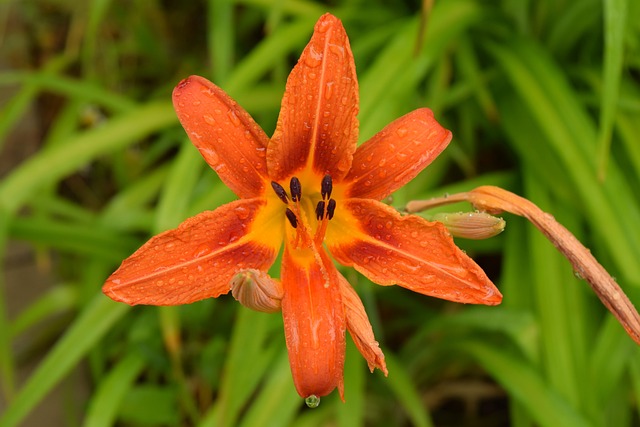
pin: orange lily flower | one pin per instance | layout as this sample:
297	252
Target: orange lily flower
311	188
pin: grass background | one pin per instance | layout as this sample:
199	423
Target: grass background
542	98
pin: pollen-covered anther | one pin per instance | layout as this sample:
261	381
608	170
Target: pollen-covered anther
280	192
256	290
331	208
320	210
326	187
296	189
293	220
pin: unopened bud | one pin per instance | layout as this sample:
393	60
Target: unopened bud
256	290
471	225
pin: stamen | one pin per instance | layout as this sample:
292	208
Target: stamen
331	208
320	210
291	217
296	189
326	187
280	192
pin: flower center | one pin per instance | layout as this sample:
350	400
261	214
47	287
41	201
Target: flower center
299	204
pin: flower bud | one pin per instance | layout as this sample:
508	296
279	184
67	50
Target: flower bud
471	225
256	290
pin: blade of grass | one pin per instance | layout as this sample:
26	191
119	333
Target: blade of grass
45	80
56	300
352	414
615	17
86	239
94	321
277	402
15	108
569	133
397	66
245	365
549	284
220	38
104	404
7	365
399	381
267	54
63	159
524	383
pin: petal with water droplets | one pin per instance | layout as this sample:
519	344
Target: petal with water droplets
317	127
226	135
198	259
409	251
314	322
396	154
360	328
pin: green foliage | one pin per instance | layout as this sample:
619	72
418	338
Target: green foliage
543	99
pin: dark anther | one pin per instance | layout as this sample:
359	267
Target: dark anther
291	217
331	208
326	187
320	210
280	192
296	189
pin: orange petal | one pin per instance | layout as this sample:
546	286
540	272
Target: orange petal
360	328
226	135
406	250
197	260
317	122
396	154
314	323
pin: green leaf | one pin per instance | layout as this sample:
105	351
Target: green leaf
94	321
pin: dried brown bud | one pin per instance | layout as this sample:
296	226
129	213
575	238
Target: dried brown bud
471	225
256	290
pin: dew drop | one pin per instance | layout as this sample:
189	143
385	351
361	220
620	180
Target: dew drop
312	401
401	132
201	251
234	118
313	58
209	119
242	212
328	91
170	246
337	50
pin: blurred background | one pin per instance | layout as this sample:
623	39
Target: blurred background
542	98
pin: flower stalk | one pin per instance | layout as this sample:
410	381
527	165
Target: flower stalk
495	200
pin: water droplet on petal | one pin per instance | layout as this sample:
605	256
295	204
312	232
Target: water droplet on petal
170	246
234	118
202	250
209	119
312	401
401	132
313	58
328	91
